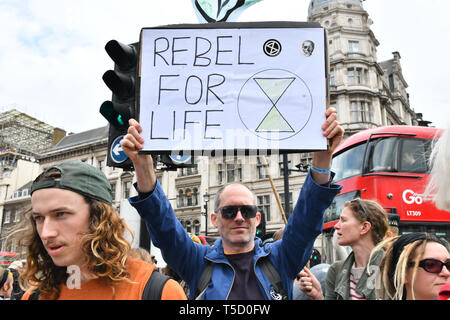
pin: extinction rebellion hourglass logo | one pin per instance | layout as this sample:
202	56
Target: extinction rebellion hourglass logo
283	104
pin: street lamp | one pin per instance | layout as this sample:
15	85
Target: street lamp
205	206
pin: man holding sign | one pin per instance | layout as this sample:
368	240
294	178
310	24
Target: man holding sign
237	256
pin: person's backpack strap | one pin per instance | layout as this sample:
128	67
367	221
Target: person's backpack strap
205	279
278	292
155	285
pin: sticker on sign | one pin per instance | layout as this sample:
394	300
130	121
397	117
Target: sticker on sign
233	86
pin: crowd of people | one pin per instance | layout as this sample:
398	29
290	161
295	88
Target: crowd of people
77	247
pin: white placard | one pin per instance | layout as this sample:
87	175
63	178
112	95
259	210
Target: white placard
206	89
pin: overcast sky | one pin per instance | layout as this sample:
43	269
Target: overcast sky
52	54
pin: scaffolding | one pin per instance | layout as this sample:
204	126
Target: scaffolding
22	136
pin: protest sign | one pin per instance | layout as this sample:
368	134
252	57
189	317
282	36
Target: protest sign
233	86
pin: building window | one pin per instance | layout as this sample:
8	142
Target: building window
391	82
230	171
261	169
182	172
191	197
220	173
264	205
332	79
180	199
187	198
195	197
357	76
188	226
7	216
361	111
351	76
353	46
196	227
126	189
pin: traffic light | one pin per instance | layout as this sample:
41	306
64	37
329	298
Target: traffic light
123	81
261	228
173	162
315	259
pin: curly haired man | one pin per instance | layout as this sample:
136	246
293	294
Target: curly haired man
75	241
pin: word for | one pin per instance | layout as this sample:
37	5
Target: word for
194	88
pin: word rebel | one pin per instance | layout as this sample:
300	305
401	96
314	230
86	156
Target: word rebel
176	52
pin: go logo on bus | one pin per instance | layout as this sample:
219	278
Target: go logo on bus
411	197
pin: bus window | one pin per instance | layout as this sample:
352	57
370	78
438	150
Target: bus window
348	163
383	155
414	154
333	212
442	232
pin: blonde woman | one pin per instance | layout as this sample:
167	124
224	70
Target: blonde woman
415	267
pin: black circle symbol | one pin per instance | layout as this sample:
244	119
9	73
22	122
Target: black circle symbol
272	48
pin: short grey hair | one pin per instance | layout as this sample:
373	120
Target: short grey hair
219	193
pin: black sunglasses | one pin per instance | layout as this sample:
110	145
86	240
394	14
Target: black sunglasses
432	265
361	205
230	212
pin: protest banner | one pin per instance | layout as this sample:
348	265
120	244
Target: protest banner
233	86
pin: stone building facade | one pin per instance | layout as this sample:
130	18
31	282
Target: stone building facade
366	92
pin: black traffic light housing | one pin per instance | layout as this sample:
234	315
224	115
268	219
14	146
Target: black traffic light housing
315	259
123	81
172	165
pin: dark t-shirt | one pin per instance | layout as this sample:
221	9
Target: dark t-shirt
245	286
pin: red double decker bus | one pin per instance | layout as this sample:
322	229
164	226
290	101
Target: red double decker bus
390	165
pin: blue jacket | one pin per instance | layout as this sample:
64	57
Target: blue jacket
189	259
